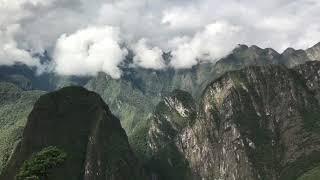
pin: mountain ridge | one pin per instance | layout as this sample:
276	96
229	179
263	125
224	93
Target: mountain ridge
134	97
245	129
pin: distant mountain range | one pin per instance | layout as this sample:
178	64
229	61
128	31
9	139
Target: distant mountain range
252	115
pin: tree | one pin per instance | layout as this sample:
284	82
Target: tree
39	165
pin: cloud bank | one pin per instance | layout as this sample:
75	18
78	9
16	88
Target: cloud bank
90	51
10	53
148	57
214	42
85	37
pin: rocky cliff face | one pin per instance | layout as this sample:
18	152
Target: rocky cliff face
173	114
134	96
256	123
78	122
314	52
310	73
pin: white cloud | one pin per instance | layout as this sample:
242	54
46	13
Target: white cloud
10	53
308	39
148	57
180	18
12	11
182	27
214	42
89	51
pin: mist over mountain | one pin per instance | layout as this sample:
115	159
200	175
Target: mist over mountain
84	38
159	90
163	113
133	96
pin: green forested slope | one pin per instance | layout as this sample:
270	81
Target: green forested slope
15	106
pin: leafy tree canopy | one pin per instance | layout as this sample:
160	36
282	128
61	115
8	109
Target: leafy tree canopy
40	164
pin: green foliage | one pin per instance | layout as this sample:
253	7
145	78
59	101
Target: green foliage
139	141
313	174
311	120
15	105
124	100
40	164
184	97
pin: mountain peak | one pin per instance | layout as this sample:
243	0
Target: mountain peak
239	48
289	50
255	47
314	52
316	45
78	122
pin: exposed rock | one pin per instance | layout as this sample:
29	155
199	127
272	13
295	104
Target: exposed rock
310	73
314	52
176	112
135	95
291	57
256	123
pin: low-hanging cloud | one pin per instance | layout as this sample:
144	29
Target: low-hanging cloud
193	31
10	53
148	57
214	42
89	51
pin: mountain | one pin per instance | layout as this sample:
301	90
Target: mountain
74	128
27	78
255	123
134	98
173	114
314	52
15	105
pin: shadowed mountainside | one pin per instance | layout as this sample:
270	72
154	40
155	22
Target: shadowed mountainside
78	122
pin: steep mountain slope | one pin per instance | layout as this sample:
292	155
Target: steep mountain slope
147	87
173	114
256	123
133	97
80	124
314	52
15	105
311	75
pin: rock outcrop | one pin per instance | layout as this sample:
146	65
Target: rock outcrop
259	123
173	114
79	123
314	52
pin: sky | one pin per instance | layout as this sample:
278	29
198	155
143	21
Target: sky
85	37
